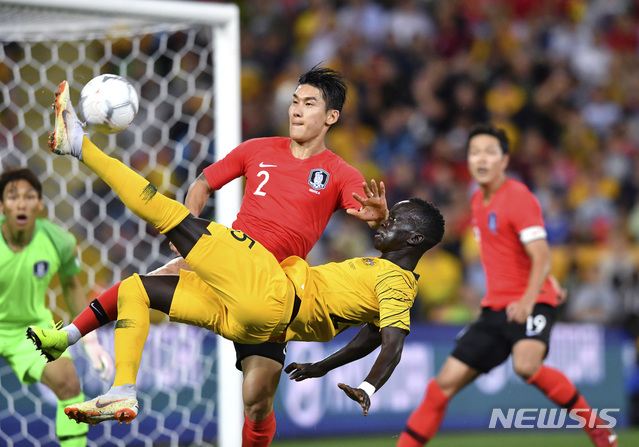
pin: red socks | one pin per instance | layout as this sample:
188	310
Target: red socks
258	434
554	384
426	419
101	311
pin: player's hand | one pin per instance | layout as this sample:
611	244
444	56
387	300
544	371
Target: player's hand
357	395
374	208
301	371
100	359
172	267
562	293
173	249
519	311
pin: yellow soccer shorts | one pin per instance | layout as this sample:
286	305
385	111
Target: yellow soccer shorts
237	288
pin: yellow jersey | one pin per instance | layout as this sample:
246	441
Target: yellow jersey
339	295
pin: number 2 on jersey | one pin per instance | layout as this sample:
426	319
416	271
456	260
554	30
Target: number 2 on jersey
258	191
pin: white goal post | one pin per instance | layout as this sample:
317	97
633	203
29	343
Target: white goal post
224	21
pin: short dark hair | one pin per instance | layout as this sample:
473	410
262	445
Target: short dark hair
489	129
329	82
11	175
431	222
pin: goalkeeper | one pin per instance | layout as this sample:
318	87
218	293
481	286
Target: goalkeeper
32	251
240	291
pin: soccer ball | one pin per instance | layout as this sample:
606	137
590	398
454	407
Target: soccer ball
108	103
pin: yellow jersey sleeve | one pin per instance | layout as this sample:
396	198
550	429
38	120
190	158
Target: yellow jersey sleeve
396	290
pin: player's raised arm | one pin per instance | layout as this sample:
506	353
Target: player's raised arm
198	194
374	207
195	200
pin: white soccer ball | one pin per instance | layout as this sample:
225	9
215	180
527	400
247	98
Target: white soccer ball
108	103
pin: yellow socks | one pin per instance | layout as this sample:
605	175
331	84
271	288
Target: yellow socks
131	329
136	193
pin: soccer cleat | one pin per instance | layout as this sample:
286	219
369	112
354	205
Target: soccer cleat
50	342
603	437
67	135
109	407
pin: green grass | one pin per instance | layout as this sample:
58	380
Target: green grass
519	438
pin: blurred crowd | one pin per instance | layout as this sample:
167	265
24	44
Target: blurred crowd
560	76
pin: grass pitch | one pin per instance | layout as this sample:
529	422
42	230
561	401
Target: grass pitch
521	438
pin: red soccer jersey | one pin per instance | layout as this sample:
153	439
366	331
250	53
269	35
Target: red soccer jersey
287	201
497	227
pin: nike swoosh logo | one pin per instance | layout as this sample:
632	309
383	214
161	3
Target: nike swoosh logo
99	404
95	309
65	114
262	165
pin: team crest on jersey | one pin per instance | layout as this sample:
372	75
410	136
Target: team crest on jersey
318	179
369	262
40	269
492	222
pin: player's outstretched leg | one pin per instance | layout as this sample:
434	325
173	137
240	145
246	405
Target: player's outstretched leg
101	311
131	331
138	194
559	389
424	422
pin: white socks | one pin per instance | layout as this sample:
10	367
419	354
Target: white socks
127	390
73	334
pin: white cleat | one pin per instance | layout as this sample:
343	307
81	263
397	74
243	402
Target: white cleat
67	135
104	408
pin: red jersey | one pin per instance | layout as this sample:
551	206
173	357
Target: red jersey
513	214
287	201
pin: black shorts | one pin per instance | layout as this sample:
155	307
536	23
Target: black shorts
489	341
270	350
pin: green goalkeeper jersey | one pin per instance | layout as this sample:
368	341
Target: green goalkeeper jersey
25	276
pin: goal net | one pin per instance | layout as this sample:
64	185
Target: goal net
183	59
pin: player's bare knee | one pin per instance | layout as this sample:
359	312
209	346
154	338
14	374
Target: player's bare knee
259	410
65	386
258	393
448	387
454	376
259	387
449	383
525	368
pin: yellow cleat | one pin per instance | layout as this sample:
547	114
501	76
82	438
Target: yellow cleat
50	342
